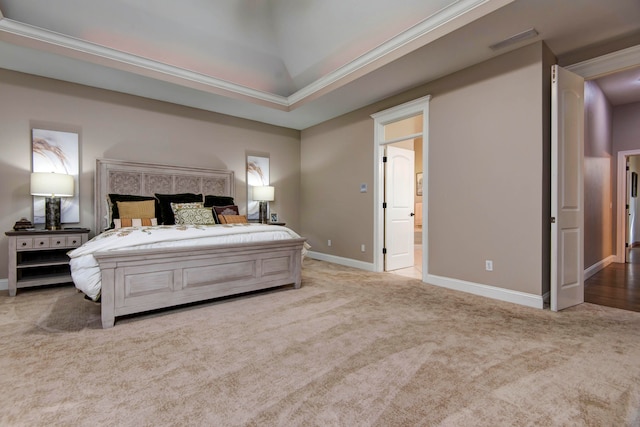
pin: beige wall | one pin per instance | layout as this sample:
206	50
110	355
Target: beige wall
488	139
598	177
113	125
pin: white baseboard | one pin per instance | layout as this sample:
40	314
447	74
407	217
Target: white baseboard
588	272
4	284
516	297
342	261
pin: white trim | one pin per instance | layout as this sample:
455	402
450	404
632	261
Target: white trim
382	118
4	284
516	297
606	64
342	261
588	272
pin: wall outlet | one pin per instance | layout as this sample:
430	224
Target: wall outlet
488	265
362	249
329	242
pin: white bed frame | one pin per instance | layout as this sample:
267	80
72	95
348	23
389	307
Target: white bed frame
135	281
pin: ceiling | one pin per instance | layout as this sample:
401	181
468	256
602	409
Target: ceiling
293	63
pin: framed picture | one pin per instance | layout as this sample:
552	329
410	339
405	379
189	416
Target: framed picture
55	151
419	184
257	175
274	217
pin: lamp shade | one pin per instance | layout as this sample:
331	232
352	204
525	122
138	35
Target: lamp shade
50	184
263	194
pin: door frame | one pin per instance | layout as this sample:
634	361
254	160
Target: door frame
382	118
599	67
621	194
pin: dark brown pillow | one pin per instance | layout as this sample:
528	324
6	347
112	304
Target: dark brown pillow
218	201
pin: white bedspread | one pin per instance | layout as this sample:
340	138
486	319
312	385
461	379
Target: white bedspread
86	272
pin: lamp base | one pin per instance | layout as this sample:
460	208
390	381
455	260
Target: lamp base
263	212
52	213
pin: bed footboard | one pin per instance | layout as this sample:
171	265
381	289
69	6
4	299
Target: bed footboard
135	281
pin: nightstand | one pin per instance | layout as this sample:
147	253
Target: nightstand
39	257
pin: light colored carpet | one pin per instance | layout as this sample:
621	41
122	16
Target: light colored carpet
349	348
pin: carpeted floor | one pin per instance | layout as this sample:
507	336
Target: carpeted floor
350	348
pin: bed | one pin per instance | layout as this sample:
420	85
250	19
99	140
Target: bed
158	275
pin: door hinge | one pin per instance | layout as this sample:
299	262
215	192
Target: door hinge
626	245
384	205
627	207
553	220
627	167
384	159
384	251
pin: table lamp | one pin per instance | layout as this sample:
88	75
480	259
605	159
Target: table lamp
264	195
52	186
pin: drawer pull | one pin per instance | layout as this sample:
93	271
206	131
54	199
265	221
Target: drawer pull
41	243
74	242
58	242
24	243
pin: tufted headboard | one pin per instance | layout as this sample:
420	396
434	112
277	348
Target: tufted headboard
146	179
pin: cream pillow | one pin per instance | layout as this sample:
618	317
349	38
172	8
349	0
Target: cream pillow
197	216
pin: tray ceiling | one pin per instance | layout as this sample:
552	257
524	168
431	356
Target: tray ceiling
283	61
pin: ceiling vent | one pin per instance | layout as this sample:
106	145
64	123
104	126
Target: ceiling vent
528	34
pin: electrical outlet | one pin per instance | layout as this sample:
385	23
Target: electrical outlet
329	242
488	265
362	249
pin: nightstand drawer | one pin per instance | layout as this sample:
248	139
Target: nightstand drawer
74	240
41	242
57	242
24	243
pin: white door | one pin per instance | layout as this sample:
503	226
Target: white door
399	215
567	202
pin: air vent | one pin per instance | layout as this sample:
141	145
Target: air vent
528	34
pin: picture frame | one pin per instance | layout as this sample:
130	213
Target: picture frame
56	151
419	184
273	217
257	176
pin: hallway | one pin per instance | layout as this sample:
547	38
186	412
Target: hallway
617	285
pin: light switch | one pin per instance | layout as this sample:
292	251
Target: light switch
363	188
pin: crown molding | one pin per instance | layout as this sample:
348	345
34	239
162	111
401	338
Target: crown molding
418	31
438	24
88	50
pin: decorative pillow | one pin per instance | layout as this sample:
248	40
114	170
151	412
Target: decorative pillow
232	219
143	209
218	201
134	222
115	198
188	205
198	216
165	200
224	210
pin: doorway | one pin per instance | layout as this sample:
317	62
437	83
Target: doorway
389	129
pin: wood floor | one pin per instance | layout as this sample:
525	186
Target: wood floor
617	285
